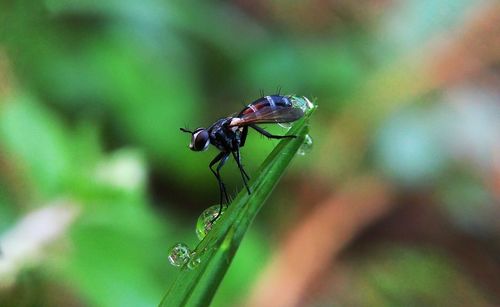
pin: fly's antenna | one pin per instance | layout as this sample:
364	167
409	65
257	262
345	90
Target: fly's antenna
278	90
261	92
186	130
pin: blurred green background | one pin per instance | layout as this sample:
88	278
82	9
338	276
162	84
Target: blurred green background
396	205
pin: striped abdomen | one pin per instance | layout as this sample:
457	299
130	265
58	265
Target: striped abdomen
272	101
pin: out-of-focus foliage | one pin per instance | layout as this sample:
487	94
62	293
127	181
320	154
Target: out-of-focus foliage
97	182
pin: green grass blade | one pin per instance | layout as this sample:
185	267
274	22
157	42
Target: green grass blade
196	287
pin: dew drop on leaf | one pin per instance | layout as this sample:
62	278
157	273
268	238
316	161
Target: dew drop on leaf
285	125
206	221
179	254
306	147
302	103
194	261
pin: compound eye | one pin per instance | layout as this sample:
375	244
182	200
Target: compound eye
200	140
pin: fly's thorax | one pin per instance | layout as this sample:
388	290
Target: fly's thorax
224	133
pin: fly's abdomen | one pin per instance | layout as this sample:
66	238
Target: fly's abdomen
272	101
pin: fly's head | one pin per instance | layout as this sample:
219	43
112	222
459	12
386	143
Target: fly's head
199	139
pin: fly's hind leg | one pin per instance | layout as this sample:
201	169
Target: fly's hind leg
243	139
244	175
269	135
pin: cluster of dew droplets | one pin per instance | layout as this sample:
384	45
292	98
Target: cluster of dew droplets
207	220
180	254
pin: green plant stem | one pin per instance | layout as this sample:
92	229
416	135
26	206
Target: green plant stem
196	287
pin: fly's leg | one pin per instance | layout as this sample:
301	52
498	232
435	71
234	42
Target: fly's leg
221	158
269	135
244	134
244	175
243	138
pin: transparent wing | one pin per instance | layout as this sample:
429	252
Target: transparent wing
268	115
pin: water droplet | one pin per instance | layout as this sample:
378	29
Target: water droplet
302	102
207	220
306	147
285	125
179	254
194	261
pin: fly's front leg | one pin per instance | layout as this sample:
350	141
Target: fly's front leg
221	158
221	164
269	135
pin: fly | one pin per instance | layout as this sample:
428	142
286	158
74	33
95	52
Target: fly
229	134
